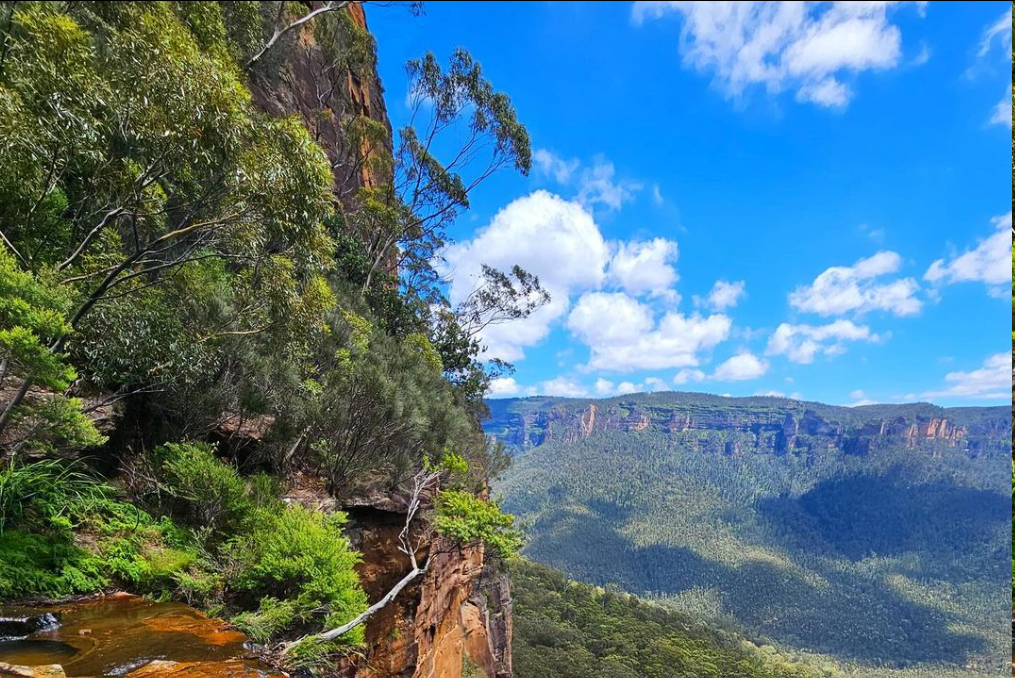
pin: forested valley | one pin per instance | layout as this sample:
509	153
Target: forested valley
889	561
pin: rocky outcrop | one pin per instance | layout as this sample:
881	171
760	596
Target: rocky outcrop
42	671
489	624
20	627
101	409
756	426
455	611
327	78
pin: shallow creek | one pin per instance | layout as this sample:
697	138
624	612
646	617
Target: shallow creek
121	635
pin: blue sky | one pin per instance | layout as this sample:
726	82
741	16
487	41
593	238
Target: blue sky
809	200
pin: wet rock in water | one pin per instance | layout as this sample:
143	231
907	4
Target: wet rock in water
126	636
36	652
20	627
46	671
168	669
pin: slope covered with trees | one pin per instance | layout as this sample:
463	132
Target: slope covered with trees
565	629
891	558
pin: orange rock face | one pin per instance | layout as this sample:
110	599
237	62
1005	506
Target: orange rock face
434	623
168	669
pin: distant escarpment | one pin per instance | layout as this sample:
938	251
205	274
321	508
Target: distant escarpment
759	425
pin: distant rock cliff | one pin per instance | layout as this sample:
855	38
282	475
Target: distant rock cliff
737	426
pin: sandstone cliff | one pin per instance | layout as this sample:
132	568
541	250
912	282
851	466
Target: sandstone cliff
736	426
328	78
458	614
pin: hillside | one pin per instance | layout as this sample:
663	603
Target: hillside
564	629
876	535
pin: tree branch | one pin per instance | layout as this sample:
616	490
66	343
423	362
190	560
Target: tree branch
12	248
421	483
279	33
111	214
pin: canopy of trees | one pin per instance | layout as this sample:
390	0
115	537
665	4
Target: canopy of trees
895	559
219	271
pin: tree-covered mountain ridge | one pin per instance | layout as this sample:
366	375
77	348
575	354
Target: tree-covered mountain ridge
760	424
876	537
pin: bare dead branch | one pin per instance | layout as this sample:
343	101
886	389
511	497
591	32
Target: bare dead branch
422	483
278	32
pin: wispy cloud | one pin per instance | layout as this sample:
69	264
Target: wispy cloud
812	49
988	262
802	343
595	185
990	381
995	48
860	289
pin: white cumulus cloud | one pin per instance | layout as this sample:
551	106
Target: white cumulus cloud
801	343
860	399
644	267
504	386
626	387
989	381
687	376
623	335
605	387
857	289
809	48
724	295
546	235
795	395
654	384
563	387
988	262
741	367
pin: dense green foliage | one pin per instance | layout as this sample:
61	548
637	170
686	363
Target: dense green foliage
184	262
32	320
209	536
468	519
892	558
170	242
298	564
564	629
49	509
